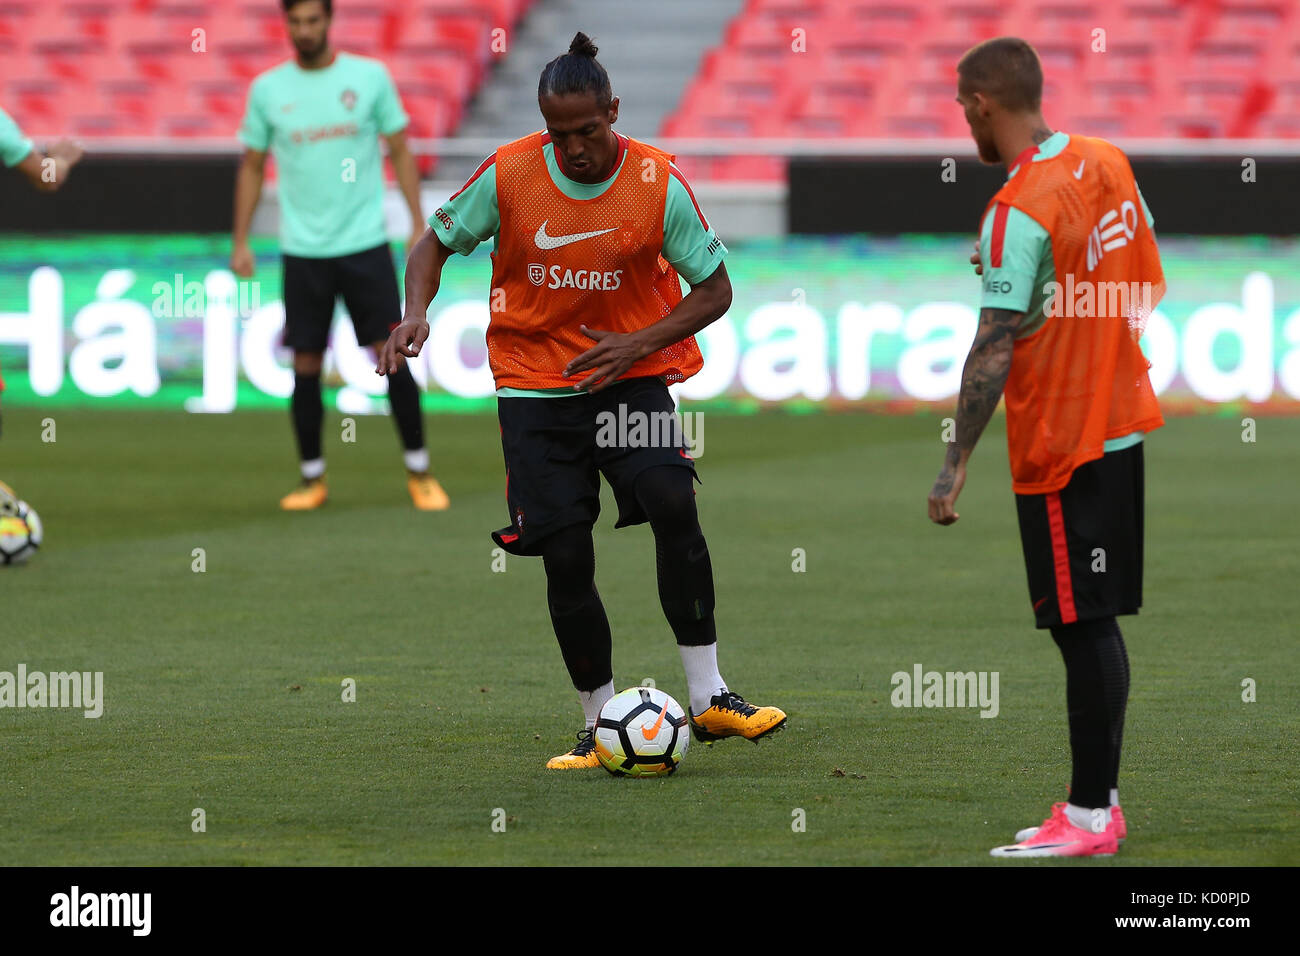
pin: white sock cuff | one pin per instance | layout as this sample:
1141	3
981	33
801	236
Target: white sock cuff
1082	817
593	701
703	681
313	468
416	461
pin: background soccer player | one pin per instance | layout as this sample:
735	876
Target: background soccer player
590	230
321	115
1078	402
17	152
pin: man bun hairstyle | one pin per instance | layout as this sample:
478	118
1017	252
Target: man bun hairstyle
1006	69
577	71
582	46
290	4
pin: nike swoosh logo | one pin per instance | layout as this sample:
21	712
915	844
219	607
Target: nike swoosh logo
1039	603
653	732
1047	846
1078	173
554	242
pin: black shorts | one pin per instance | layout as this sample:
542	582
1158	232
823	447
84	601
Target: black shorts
1083	544
366	280
556	449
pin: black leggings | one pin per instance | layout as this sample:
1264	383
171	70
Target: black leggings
1096	693
685	576
667	495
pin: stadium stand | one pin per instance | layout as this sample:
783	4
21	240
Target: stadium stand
1174	69
133	68
1222	68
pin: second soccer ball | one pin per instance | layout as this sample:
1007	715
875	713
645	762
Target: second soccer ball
20	528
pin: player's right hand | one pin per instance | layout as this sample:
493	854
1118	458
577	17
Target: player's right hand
943	496
407	339
67	151
975	259
242	261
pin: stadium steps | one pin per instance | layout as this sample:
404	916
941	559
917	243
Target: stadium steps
649	66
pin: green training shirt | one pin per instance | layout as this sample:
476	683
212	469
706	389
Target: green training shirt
1020	284
14	146
471	216
322	127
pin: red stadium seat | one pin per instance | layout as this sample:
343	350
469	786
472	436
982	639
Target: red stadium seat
962	34
371	31
190	125
1257	21
261	21
135	101
245	60
452	75
733	168
886	23
41	99
1278	125
821	113
1173	21
754	82
494	13
759	36
1108	125
219	99
64	59
431	116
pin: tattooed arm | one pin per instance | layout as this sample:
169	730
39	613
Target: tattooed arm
982	380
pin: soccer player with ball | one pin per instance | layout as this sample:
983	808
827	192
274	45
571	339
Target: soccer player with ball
1079	401
590	231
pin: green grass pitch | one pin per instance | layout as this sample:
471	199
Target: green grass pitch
224	688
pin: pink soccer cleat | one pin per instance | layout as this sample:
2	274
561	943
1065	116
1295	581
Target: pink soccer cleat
1059	837
1116	821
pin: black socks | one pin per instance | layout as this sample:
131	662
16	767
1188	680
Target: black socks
404	398
308	413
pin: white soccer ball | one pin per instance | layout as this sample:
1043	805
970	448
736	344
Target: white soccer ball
641	732
20	528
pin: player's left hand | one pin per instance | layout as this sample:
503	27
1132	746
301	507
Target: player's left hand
406	340
612	355
943	496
